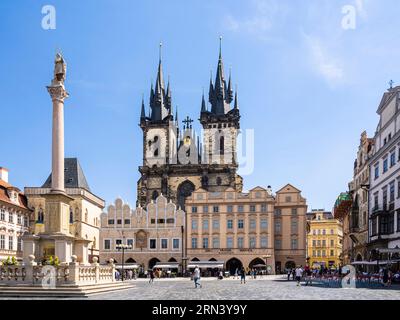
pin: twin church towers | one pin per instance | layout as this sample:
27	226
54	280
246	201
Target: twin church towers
175	162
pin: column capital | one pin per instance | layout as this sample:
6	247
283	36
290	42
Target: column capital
57	93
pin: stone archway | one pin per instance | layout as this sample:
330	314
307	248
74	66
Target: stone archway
359	257
130	260
152	262
185	189
290	265
172	260
233	265
195	259
255	262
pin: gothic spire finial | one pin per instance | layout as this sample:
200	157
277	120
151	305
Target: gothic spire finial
236	104
143	112
203	103
160	52
220	47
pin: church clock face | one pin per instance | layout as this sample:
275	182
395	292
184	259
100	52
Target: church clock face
156	142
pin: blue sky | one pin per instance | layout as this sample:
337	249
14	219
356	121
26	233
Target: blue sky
307	86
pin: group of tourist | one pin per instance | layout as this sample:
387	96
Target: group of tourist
385	276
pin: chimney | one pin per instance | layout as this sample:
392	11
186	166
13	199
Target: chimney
4	174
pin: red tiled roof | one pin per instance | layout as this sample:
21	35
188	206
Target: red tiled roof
23	202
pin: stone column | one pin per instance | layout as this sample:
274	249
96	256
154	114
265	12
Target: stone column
58	94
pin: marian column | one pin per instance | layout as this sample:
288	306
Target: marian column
58	95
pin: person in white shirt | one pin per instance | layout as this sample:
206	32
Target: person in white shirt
196	277
299	273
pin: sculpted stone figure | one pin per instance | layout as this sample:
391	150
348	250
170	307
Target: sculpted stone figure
60	69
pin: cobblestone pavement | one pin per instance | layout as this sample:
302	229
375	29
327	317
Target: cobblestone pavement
269	288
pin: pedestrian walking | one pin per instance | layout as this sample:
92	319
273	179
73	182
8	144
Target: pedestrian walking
293	274
289	272
242	276
299	273
196	277
151	276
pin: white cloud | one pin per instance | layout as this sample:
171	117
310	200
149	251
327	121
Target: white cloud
262	18
323	63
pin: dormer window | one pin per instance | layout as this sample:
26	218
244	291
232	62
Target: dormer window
13	195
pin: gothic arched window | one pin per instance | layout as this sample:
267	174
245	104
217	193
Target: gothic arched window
221	145
154	196
219	181
71	216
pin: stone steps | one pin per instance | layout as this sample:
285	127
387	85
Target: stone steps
63	291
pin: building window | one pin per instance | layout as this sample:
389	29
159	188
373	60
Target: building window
240	208
215	243
392	158
323	232
19	219
319	243
215	209
293	244
398	220
240	243
373	226
10	217
240	224
391	192
263	207
229	242
332	243
153	244
376	171
164	243
264	242
386	224
278	227
278	244
314	232
398	187
205	209
314	253
205	243
194	209
127	221
171	220
252	242
216	225
3	214
19	244
230	224
110	221
385	165
314	243
318	253
205	224
194	224
252	208
264	224
10	243
119	221
252	224
288	199
332	232
294	226
323	253
175	244
194	243
2	241
117	243
129	242
230	209
278	212
332	253
294	212
384	197
376	201
324	243
107	244
221	146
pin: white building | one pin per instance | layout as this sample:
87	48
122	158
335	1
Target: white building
384	191
14	218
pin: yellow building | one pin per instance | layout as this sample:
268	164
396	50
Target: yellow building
324	240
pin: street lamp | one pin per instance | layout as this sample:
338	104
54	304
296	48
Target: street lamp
123	247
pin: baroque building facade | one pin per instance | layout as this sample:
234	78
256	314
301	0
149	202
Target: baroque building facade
84	212
14	218
175	162
325	240
384	189
154	234
355	221
247	229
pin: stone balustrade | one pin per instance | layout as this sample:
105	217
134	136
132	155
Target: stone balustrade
50	276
